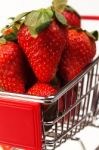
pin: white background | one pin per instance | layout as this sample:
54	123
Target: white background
9	8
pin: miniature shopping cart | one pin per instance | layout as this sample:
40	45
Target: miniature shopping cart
25	124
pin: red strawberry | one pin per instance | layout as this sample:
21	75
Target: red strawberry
43	52
11	68
72	17
42	89
41	36
79	52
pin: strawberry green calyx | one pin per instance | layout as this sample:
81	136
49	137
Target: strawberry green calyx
9	33
12	34
15	25
60	18
59	5
35	20
38	20
20	17
93	35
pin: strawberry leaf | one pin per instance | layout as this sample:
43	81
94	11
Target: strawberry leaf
10	37
93	35
60	18
42	27
38	20
20	16
59	5
33	32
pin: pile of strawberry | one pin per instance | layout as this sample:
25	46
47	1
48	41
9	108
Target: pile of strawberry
41	45
43	49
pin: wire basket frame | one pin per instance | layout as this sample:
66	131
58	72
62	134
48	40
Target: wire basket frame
74	108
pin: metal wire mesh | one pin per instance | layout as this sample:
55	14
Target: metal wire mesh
74	109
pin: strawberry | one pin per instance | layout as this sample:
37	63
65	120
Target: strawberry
41	36
72	17
78	53
45	90
11	68
43	52
42	89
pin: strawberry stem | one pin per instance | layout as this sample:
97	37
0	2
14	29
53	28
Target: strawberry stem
59	5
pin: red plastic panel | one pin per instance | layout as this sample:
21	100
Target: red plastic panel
90	17
20	124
